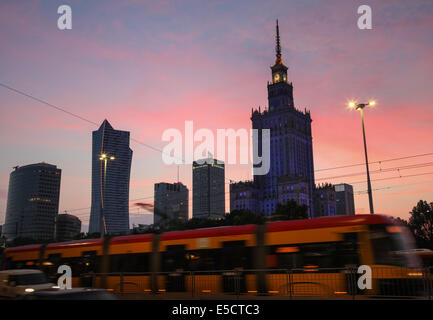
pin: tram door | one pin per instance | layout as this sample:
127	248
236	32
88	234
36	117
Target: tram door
348	256
174	263
235	259
88	267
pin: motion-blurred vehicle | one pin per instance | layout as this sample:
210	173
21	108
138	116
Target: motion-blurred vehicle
71	294
425	255
317	256
15	283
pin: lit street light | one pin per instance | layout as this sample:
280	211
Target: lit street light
360	107
104	157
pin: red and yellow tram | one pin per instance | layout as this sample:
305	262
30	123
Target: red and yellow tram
284	257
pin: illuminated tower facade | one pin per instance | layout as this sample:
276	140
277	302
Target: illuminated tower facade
291	146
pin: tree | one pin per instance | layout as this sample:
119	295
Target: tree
290	211
421	224
242	217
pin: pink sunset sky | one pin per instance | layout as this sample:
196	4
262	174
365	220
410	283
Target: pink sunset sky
148	66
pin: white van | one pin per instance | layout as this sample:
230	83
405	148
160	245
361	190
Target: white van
18	282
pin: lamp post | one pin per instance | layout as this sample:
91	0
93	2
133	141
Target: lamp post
104	157
360	107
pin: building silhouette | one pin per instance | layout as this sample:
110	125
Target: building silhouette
170	202
291	174
244	196
344	199
208	189
33	202
324	200
68	226
111	169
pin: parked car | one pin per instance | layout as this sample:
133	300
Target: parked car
14	283
71	294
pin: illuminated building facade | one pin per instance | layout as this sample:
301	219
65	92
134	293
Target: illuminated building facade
291	174
325	201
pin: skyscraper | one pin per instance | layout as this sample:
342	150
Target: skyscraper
67	227
344	199
111	170
324	201
170	203
208	189
33	202
291	146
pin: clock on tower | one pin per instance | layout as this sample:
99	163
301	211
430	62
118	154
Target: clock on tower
280	91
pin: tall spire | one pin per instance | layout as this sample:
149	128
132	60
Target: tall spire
278	47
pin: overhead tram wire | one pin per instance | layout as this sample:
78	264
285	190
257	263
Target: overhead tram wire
391	178
228	192
70	113
393	187
83	119
158	150
374	162
408	167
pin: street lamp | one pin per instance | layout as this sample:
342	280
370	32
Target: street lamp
104	157
360	107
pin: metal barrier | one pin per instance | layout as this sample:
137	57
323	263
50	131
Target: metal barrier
308	282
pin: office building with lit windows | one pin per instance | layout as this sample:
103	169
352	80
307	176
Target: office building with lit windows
208	189
33	202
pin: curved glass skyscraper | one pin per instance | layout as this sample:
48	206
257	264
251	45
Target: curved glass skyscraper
111	169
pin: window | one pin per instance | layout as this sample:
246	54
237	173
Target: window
234	255
317	255
174	258
202	260
387	244
133	262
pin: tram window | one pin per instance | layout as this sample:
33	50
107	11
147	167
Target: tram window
235	254
31	264
89	262
74	263
287	257
347	250
174	258
202	260
386	246
132	262
9	264
321	255
51	264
